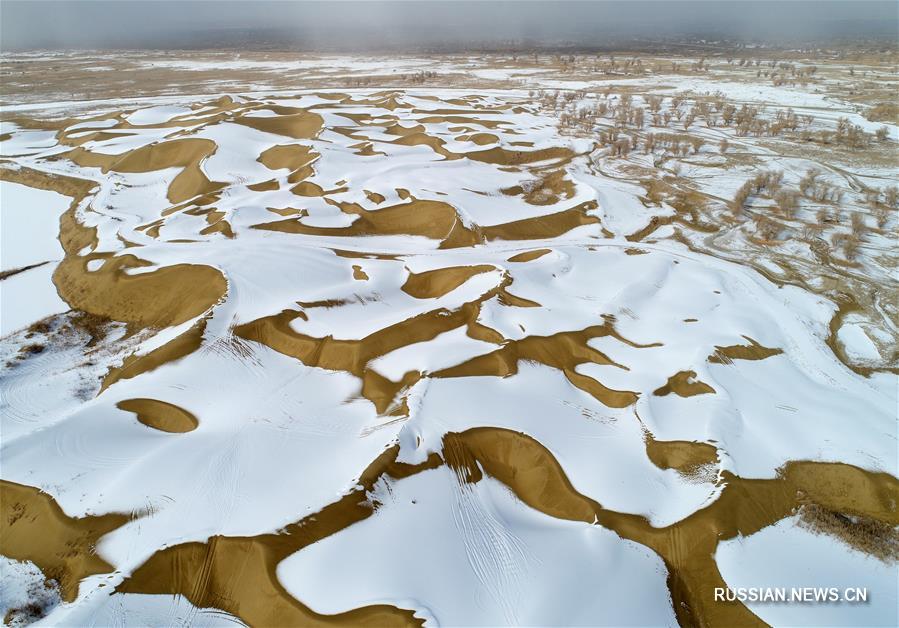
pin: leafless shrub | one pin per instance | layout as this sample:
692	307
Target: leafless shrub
654	103
838	240
728	113
857	221
808	181
621	147
873	537
787	201
638	117
884	112
882	215
741	197
420	77
767	229
850	134
689	119
825	217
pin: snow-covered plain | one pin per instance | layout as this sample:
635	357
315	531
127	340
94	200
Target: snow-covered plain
390	278
29	229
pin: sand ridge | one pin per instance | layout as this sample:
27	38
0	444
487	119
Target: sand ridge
407	245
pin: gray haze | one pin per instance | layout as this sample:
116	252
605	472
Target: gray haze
432	23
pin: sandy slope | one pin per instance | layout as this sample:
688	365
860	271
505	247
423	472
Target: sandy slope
329	288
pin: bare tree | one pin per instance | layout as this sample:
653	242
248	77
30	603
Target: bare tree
689	118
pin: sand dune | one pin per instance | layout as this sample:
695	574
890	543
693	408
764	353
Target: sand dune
293	317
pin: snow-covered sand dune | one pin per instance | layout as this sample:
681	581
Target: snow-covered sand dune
390	356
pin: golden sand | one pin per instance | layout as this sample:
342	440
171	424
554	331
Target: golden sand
529	256
184	153
374	197
680	455
294	157
296	123
161	298
353	356
133	365
435	283
34	528
358	273
237	574
564	351
752	351
160	415
543	227
431	219
265	186
684	384
549	189
688	546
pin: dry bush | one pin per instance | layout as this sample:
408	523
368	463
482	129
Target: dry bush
32	348
719	99
654	103
882	134
857	220
768	229
851	135
420	77
42	326
813	188
838	240
621	147
850	247
638	117
97	327
873	537
882	215
824	217
808	181
787	201
728	114
689	119
741	197
767	182
884	112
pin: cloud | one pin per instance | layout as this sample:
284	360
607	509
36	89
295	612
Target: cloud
390	24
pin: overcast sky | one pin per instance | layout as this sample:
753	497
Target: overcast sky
27	24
